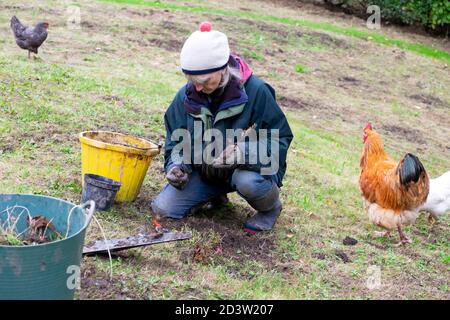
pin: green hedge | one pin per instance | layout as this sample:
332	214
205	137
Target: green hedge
430	13
434	14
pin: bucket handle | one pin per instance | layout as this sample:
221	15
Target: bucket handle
90	211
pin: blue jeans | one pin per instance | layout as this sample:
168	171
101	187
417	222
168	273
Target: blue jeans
174	203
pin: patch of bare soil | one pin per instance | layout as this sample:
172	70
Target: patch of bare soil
158	36
119	101
320	110
265	27
279	36
409	134
7	7
173	45
342	255
299	104
142	204
233	243
96	286
320	256
324	39
350	80
8	144
51	133
142	12
174	28
272	53
429	100
89	25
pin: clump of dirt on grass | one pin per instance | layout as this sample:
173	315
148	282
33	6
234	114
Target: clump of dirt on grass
343	256
349	241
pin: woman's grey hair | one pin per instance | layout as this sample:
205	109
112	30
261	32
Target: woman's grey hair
228	74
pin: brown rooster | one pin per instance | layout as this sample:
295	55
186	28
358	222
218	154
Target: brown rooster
29	38
393	192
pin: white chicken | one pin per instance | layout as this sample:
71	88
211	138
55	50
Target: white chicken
438	201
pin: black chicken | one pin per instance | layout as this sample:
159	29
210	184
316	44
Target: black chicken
29	38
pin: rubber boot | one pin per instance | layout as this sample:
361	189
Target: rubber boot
268	209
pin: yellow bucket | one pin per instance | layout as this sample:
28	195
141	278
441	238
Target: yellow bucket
117	156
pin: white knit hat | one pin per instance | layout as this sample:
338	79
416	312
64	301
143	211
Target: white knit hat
205	51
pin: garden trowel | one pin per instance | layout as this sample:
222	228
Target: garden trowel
102	246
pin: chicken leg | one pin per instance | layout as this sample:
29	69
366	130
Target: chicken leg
431	220
403	239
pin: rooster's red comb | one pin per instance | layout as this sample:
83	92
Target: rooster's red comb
368	126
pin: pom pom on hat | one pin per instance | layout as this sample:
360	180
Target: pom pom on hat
205	26
205	51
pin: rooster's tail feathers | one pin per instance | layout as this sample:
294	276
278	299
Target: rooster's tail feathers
410	169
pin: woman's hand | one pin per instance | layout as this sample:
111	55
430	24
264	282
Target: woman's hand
231	157
177	177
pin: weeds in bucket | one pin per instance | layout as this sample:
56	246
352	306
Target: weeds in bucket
36	230
8	229
34	233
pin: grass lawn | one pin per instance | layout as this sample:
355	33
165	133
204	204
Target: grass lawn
120	71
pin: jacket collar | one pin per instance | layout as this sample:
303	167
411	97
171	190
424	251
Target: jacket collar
232	95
